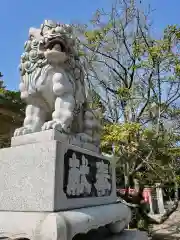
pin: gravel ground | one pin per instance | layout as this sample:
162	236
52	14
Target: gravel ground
170	229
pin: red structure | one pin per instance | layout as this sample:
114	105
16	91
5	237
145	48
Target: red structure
146	193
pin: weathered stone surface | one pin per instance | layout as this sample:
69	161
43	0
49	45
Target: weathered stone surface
170	229
52	134
27	175
39	137
62	225
32	177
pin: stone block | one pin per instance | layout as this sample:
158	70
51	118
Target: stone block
52	135
62	225
51	175
38	137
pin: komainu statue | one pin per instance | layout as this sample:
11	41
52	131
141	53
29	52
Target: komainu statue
52	84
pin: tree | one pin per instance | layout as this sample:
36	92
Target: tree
137	78
1	82
11	113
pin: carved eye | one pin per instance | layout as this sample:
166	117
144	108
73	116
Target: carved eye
34	42
45	29
59	29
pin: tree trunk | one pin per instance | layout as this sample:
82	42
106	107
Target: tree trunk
176	191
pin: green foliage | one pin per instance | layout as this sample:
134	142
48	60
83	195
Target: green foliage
11	100
138	146
1	82
137	75
97	35
124	93
11	113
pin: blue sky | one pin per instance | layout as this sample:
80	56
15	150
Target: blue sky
18	15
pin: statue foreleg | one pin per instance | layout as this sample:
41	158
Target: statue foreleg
35	118
63	114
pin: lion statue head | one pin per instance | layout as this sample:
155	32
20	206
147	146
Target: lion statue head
57	44
47	48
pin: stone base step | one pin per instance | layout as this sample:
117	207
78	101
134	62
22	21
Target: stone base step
64	225
104	234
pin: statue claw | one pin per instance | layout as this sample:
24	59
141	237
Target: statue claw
52	125
22	131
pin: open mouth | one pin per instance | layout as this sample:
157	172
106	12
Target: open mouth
54	50
55	44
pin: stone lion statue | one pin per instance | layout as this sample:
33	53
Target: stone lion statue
52	84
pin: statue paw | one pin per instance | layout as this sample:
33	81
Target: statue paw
22	131
52	125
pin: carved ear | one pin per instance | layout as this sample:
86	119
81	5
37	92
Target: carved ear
36	33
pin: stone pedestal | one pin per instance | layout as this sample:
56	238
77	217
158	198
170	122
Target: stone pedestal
51	188
53	175
63	225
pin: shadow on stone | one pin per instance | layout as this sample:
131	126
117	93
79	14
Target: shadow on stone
99	234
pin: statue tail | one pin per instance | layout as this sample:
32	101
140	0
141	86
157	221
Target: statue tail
92	125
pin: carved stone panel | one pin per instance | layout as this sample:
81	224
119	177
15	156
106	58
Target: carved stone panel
86	175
